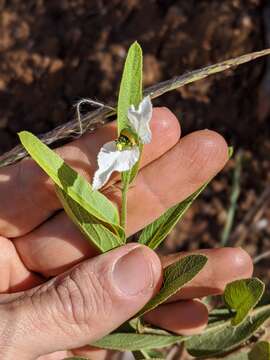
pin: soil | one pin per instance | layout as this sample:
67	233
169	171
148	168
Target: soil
53	53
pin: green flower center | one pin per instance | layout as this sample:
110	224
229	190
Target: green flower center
123	143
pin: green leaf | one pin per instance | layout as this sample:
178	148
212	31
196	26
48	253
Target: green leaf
136	342
156	232
242	296
73	184
94	231
175	277
221	337
261	351
130	92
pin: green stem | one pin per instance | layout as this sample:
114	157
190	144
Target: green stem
125	182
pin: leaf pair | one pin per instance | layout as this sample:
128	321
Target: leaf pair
91	211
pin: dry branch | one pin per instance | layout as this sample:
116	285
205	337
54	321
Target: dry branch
94	119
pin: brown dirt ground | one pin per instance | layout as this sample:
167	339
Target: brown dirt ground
52	53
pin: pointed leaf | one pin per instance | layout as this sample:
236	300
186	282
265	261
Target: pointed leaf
221	337
242	296
157	231
73	184
135	342
94	231
175	277
130	92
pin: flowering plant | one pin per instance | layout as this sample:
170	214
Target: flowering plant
99	220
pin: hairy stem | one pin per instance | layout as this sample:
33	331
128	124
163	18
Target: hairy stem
125	182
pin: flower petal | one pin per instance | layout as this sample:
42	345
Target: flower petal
140	119
110	159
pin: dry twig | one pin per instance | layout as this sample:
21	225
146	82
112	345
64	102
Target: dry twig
94	119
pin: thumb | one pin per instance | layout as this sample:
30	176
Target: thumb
82	305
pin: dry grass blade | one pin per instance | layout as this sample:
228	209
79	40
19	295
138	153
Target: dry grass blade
94	119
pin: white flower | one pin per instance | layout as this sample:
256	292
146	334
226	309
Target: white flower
122	155
139	120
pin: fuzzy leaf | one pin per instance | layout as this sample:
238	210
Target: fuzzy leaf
73	184
242	296
156	232
135	342
221	337
91	228
261	351
130	92
175	277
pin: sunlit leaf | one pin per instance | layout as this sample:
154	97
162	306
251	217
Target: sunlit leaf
242	296
94	231
130	92
157	231
135	342
73	184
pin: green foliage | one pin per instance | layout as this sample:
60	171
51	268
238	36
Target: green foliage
75	187
175	276
156	232
242	296
130	93
136	342
220	337
94	231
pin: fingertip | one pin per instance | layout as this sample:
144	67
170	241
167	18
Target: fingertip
207	148
241	261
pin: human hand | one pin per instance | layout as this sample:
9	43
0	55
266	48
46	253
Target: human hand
39	241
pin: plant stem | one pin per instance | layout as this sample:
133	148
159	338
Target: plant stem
125	182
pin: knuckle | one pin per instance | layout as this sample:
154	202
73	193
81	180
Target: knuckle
83	297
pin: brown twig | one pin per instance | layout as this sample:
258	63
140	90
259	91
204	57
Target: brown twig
92	120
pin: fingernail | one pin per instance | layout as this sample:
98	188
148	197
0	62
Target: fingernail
133	273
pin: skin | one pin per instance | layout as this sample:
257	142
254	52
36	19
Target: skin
58	293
